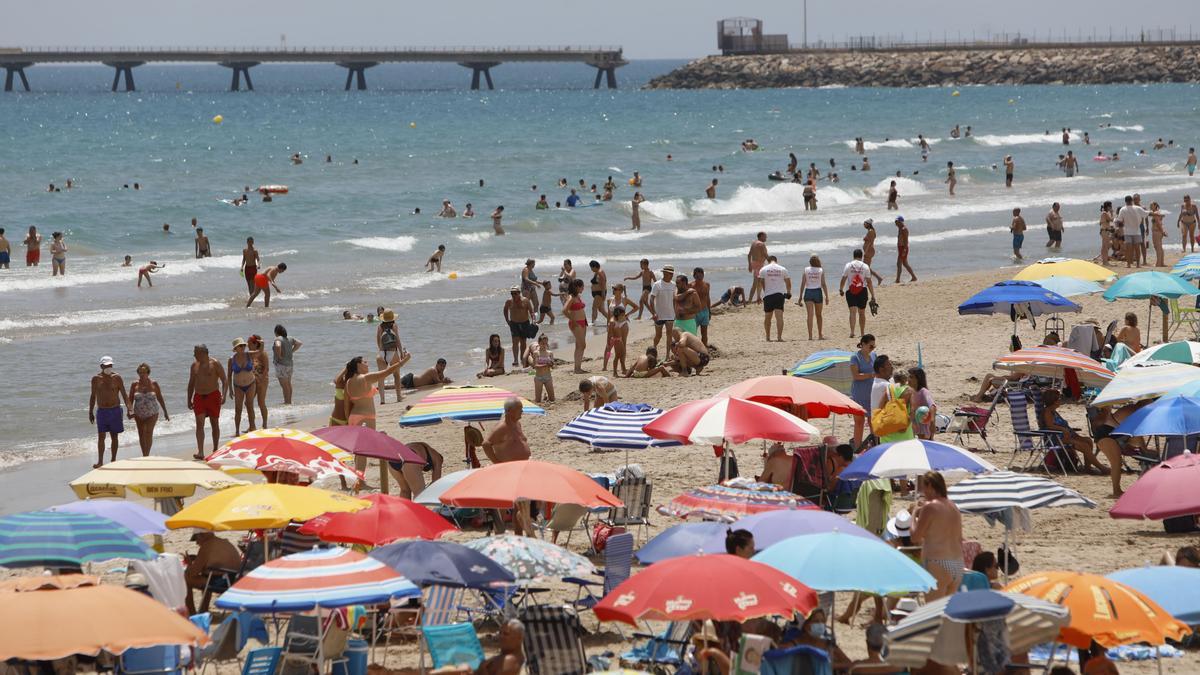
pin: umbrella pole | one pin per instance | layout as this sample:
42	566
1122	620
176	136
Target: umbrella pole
383	477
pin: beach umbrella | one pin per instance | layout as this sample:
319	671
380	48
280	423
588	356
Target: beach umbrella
463	403
154	477
615	426
139	519
1069	286
259	506
1065	267
834	561
684	539
935	630
1020	296
1184	351
367	442
733	499
1054	362
1175	589
694	588
1003	490
442	563
1168	416
287	451
768	528
720	421
1167	490
790	393
1187	267
1144	381
53	539
52	582
326	578
1142	285
501	485
528	558
432	494
914	457
45	625
1101	609
830	367
1191	389
386	520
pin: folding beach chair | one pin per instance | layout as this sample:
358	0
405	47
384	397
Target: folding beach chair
809	474
150	660
262	661
1184	317
1036	444
660	652
452	644
635	494
618	563
799	660
306	643
972	421
224	647
565	518
553	640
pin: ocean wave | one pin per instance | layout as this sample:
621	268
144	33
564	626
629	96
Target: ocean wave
905	186
1163	168
399	244
88	277
779	198
109	316
668	210
875	145
474	237
624	235
1132	127
995	141
469	268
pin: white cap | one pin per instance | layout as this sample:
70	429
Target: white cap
106	361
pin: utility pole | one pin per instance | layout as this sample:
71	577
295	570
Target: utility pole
805	38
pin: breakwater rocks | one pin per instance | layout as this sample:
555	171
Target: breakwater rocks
1092	65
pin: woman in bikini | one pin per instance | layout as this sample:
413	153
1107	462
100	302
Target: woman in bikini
493	358
1106	231
244	384
1187	223
620	298
599	290
337	418
262	367
566	276
618	336
1157	233
542	360
869	249
147	403
635	205
360	388
574	311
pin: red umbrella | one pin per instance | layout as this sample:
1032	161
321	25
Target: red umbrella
367	442
785	391
288	453
721	420
697	587
388	519
1166	491
500	485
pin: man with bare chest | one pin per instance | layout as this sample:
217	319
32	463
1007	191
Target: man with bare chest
104	409
205	384
507	443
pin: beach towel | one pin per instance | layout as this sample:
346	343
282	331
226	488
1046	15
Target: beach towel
164	576
874	505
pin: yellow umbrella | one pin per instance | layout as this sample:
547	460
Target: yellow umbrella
155	477
1065	267
262	506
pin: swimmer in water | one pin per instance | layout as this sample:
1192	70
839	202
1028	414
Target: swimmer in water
468	212
711	190
145	272
542	204
263	283
296	158
447	210
497	216
435	260
416	211
128	259
347	316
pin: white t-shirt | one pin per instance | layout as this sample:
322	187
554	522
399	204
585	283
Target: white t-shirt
773	276
856	269
662	294
1131	215
812	278
879	388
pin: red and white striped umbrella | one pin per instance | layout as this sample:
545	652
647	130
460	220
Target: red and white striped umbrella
717	421
286	451
1053	362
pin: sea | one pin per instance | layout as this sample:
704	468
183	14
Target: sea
350	238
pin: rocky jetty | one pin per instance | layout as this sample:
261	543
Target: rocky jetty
1092	65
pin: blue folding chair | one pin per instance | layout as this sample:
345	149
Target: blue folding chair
975	581
661	651
262	661
452	644
618	563
150	660
799	660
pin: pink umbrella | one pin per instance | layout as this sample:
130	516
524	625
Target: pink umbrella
726	420
1166	491
790	393
368	442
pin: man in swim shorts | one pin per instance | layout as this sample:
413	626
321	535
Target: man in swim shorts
5	250
687	305
703	290
206	381
1191	162
431	376
108	391
755	259
33	247
250	262
857	286
203	250
518	314
263	283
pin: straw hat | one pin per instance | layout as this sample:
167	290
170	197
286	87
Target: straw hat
706	635
388	315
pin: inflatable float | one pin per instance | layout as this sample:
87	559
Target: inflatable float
273	189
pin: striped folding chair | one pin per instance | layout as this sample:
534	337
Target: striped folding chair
1036	444
634	493
553	640
618	564
661	651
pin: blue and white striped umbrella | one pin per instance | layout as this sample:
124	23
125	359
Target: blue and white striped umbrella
1003	490
332	577
914	457
1150	379
59	539
615	426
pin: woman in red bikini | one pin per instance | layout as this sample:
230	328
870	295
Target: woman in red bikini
573	310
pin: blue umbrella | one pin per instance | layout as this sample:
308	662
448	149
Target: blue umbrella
443	563
1069	286
912	457
1168	416
1175	589
615	426
843	562
1145	284
1026	296
50	539
685	539
139	519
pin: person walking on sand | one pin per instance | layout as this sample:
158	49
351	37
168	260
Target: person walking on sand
545	310
1157	233
1130	216
599	287
104	409
857	287
283	350
902	250
777	289
1017	227
263	283
755	259
262	368
518	314
951	178
1107	231
206	381
937	529
33	247
662	304
542	360
1054	227
813	292
868	248
497	216
1186	222
635	210
244	385
1009	167
893	197
250	262
146	402
646	275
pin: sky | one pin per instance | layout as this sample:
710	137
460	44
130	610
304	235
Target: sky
647	29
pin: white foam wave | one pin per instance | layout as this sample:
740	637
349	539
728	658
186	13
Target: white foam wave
1163	168
875	145
615	169
905	186
780	198
290	251
399	244
625	235
1132	127
110	316
470	268
84	275
473	237
667	210
996	140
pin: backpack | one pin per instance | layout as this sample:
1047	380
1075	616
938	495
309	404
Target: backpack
891	417
388	338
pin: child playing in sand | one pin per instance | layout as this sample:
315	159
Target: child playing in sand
147	271
647	366
618	336
542	360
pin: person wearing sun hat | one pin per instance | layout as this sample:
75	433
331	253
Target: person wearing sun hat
662	304
243	383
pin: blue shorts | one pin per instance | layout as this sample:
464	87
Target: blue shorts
110	420
3	257
702	317
814	295
1018	239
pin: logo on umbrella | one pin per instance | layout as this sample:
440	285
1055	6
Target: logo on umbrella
478	569
679	604
744	600
625	599
790	589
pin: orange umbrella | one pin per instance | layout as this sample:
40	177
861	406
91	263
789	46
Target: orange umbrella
812	398
53	624
1103	610
54	582
500	485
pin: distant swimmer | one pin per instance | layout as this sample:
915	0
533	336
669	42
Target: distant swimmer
166	229
810	195
542	204
52	188
1087	140
609	185
6	251
711	190
893	197
636	181
264	281
859	145
923	143
1071	164
296	158
447	210
416	211
607	195
562	182
955	133
1008	170
1066	137
951	178
669	158
328	159
593	189
497	216
793	163
866	165
145	272
1191	162
468	212
572	199
136	186
203	249
347	316
434	263
250	262
749	145
582	184
33	247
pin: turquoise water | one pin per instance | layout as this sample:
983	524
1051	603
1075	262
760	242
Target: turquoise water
350	241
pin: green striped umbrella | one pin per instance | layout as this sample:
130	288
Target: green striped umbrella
830	367
59	539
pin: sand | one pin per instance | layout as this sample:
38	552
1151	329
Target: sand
956	350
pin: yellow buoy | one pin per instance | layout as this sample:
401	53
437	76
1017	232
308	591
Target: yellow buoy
955	94
1011	101
412	125
453	275
217	119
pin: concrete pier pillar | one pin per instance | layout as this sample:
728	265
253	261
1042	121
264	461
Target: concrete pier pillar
481	68
17	69
607	72
356	73
124	68
240	69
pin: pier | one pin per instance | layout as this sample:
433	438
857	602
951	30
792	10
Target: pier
480	60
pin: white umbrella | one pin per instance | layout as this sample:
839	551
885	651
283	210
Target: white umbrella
1147	380
432	494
